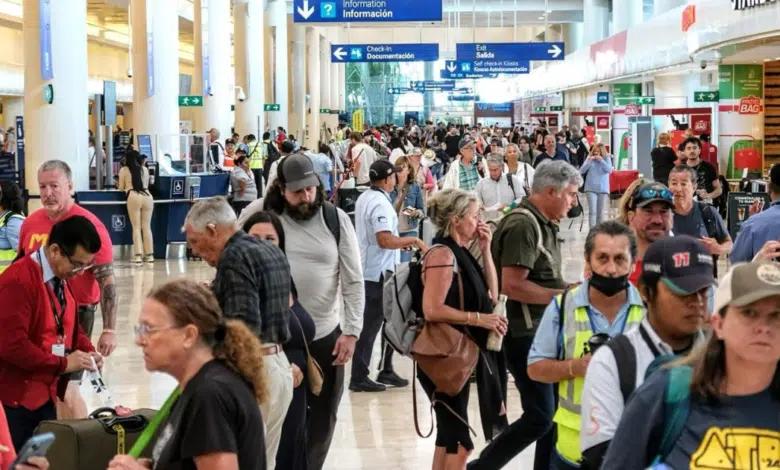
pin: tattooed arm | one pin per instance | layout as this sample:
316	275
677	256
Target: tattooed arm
104	274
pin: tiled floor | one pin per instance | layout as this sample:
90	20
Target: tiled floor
374	431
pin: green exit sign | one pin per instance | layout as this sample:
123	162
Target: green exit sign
540	109
272	107
188	101
619	101
556	108
706	97
324	111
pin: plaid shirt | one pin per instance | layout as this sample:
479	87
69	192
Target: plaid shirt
469	177
253	284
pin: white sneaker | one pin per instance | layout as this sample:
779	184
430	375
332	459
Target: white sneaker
138	260
149	259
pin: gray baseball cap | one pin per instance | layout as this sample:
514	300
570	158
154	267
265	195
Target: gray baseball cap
466	141
296	172
747	283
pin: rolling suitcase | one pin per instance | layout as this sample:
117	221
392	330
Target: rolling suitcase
90	444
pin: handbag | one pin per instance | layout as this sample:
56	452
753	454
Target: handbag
447	355
313	370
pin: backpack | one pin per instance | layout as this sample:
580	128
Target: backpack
272	156
708	216
677	407
331	215
402	304
509	180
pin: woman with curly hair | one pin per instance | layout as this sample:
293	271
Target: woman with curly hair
215	424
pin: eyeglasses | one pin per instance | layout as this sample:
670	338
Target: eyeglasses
78	267
144	331
652	193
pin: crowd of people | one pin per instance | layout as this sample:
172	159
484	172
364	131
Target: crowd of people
259	355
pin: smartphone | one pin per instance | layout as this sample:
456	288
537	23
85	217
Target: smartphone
36	446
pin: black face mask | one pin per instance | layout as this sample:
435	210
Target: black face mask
609	286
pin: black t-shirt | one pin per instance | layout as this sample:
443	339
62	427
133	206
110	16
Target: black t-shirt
217	412
452	142
707	175
440	135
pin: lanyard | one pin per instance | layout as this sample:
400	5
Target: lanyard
648	341
593	325
57	319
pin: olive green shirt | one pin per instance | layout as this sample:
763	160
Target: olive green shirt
516	243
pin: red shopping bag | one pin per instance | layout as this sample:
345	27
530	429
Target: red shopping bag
748	157
620	180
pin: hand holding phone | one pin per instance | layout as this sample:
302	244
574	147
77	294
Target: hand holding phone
33	451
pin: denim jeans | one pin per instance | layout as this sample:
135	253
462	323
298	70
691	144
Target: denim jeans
598	203
535	425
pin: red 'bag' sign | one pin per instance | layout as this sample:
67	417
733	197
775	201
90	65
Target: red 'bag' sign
633	110
749	158
750	105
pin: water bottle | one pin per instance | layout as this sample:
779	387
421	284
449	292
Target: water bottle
510	207
100	387
495	340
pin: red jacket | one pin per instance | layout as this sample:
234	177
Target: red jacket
29	372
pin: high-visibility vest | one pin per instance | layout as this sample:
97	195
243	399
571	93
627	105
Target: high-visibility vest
7	256
255	155
577	331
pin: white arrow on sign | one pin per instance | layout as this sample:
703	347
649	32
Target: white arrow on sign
195	100
712	96
306	11
452	67
555	51
339	53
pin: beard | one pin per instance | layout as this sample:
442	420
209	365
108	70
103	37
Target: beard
305	211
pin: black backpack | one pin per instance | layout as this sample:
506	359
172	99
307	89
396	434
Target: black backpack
271	156
331	215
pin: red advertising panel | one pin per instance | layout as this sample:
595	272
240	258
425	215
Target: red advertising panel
602	122
633	110
748	157
701	124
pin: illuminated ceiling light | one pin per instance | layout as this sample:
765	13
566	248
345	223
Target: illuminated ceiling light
541	17
548	11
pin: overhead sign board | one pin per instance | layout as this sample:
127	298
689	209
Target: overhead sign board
432	85
495	107
271	107
463	98
354	11
540	109
602	97
633	110
506	51
747	4
398	90
384	53
706	96
491	66
454	70
635	100
556	108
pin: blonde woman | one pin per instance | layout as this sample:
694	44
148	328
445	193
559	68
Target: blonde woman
595	171
664	158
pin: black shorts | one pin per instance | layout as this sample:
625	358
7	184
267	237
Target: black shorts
86	314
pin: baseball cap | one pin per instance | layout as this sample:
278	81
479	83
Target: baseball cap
381	169
465	141
415	151
683	263
651	192
296	172
287	147
746	283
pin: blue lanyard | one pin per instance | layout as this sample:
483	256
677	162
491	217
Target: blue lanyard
593	325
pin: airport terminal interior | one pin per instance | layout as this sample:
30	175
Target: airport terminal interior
206	93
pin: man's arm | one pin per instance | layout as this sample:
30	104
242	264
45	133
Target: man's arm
717	190
742	251
543	363
351	278
516	286
237	293
602	407
104	274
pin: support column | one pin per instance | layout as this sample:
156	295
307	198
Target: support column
12	107
313	120
298	123
127	119
427	97
57	130
596	21
324	72
281	68
343	87
625	14
572	36
249	59
334	81
212	65
662	6
156	91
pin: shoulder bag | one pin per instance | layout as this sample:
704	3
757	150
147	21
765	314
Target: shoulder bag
313	370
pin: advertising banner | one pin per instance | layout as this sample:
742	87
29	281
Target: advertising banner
738	209
741	118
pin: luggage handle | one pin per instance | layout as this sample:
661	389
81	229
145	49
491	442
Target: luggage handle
133	423
102	411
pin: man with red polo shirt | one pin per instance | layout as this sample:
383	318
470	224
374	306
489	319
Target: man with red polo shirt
97	284
41	342
650	216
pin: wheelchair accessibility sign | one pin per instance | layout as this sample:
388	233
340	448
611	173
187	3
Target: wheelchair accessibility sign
118	223
178	188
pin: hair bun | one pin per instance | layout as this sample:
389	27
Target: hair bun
221	332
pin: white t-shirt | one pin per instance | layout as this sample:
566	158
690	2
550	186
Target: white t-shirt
367	158
375	213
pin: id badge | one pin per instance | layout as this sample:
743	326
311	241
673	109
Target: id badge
58	349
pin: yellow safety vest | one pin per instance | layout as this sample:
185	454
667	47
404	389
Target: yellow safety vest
577	331
7	256
255	155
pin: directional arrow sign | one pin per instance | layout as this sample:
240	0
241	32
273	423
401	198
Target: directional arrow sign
398	90
634	100
540	109
354	11
453	71
432	85
384	53
501	51
271	107
706	97
190	101
556	108
463	98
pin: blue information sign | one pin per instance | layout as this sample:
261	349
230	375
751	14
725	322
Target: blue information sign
44	22
432	85
484	68
399	90
446	74
109	103
507	51
145	146
353	11
602	97
384	53
463	98
495	107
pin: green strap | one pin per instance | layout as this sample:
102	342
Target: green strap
159	417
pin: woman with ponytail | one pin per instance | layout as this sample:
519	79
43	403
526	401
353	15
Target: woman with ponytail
720	407
215	424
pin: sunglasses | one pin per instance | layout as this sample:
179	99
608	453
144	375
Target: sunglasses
652	193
